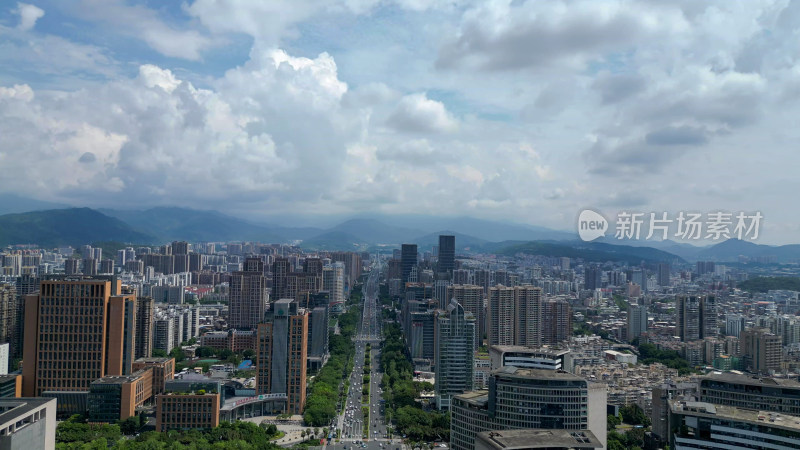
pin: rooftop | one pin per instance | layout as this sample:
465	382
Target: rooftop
538	438
121	379
528	350
475	398
12	408
751	380
542	374
153	360
703	409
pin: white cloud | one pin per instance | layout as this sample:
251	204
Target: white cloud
416	113
28	15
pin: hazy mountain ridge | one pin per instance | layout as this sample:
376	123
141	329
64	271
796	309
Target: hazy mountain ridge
73	226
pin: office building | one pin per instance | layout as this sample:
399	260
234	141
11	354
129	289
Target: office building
470	297
696	317
455	337
637	321
556	322
663	274
526	357
528	316
762	350
248	295
76	332
734	325
705	425
116	397
163	371
592	278
447	255
528	399
500	316
318	324
187	411
27	423
748	392
408	260
537	439
282	352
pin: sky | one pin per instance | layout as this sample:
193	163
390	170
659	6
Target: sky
522	111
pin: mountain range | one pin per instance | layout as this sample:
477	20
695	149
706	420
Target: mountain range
76	226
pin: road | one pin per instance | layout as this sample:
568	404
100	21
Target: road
356	432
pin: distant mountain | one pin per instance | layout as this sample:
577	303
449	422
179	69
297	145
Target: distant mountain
376	232
731	249
74	226
172	223
463	241
334	240
591	251
488	230
13	203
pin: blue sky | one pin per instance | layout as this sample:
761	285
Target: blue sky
526	111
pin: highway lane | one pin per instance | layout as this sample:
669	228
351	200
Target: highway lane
355	431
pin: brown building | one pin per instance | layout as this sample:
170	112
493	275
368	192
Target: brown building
233	340
116	397
470	297
163	371
556	322
762	350
248	295
185	411
8	316
76	331
282	351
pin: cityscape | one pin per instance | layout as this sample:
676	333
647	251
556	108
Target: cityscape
399	225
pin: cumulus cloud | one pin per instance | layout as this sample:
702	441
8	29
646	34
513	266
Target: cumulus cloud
28	15
416	113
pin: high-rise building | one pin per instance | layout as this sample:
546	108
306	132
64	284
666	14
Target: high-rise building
145	310
408	259
592	278
663	274
528	399
447	255
8	315
528	316
248	295
734	324
470	297
455	336
164	334
76	331
762	350
500	316
282	352
556	321
696	317
318	337
281	268
637	321
72	266
180	248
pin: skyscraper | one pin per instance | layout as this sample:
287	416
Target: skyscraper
145	310
248	295
637	321
500	327
470	297
592	278
663	274
696	317
734	324
76	331
280	271
447	254
408	259
455	335
528	316
282	351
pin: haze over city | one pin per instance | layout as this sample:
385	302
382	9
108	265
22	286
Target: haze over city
519	111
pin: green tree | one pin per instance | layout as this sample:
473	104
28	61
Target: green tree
158	353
